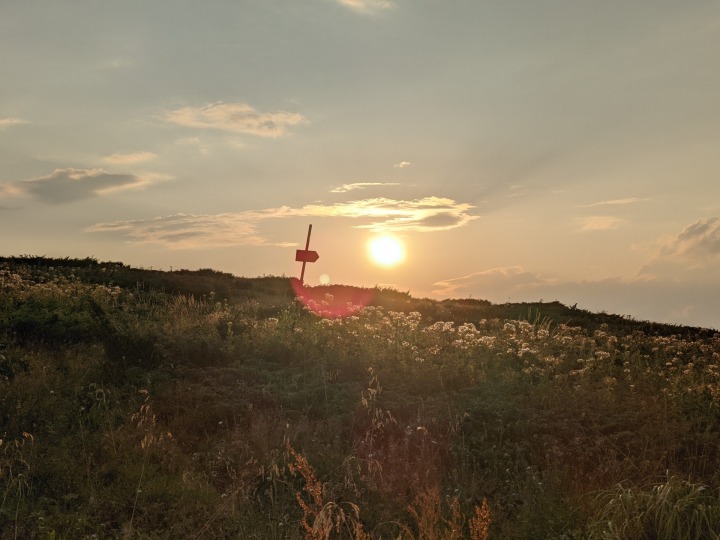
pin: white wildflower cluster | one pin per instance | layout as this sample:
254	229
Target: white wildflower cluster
540	351
526	329
468	337
46	286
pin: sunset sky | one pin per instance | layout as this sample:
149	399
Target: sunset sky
521	150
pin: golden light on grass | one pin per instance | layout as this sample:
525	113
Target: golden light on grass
386	250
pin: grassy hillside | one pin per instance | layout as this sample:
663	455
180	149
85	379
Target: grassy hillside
195	404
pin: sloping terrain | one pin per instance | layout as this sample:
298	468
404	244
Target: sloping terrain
147	404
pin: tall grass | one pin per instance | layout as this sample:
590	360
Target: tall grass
673	509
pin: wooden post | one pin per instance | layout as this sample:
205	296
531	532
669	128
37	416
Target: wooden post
307	246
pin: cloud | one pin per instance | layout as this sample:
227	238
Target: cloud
495	283
605	223
360	185
69	185
129	159
419	215
402	165
186	231
8	122
236	117
601	223
367	6
693	254
613	202
699	241
182	231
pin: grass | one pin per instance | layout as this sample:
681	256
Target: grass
130	411
672	509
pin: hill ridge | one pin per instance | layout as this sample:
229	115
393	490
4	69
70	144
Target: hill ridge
276	290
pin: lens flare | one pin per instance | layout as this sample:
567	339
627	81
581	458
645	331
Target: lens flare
332	301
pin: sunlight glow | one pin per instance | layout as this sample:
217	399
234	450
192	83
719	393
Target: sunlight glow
386	250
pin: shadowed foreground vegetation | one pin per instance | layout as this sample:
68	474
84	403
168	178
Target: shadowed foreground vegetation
146	404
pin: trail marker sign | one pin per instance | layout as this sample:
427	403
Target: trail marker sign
305	255
302	255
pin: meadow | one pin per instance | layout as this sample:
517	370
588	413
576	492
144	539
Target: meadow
141	404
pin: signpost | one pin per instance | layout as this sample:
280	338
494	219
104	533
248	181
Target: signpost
305	256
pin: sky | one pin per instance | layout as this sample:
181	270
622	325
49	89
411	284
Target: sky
520	150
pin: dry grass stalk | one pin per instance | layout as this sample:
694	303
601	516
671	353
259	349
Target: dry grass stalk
480	522
321	519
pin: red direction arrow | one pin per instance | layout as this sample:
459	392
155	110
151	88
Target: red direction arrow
303	255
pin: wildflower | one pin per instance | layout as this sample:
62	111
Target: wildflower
467	328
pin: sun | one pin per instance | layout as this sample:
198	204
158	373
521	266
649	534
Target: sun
386	250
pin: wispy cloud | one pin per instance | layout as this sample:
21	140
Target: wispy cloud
185	231
130	158
367	6
420	215
601	223
196	143
360	185
236	117
402	165
613	202
509	280
69	185
7	122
